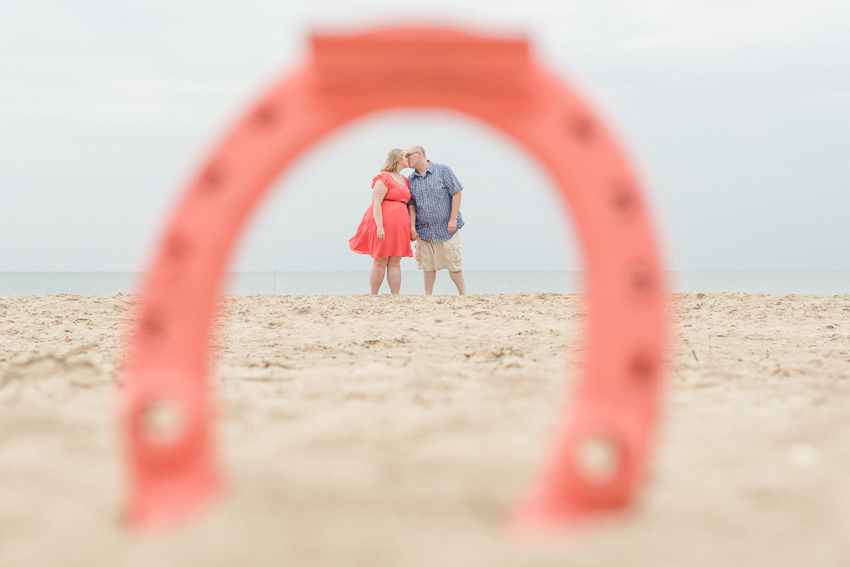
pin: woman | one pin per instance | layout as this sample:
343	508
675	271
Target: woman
384	232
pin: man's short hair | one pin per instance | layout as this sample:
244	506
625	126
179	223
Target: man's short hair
417	148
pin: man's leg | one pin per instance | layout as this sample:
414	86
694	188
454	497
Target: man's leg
457	277
429	281
394	273
376	274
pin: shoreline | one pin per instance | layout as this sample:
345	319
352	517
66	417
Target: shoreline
354	283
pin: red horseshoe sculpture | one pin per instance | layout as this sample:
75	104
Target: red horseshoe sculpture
492	79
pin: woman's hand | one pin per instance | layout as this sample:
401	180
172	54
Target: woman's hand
413	235
381	233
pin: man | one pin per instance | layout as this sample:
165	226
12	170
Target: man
435	219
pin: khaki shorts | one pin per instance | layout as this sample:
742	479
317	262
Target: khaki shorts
431	256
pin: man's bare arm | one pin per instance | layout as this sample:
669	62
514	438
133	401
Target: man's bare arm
455	211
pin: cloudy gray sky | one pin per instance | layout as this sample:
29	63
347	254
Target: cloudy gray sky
737	115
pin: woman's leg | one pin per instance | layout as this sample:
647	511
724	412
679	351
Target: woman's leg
376	275
394	273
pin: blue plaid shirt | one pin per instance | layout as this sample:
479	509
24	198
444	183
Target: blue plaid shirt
431	194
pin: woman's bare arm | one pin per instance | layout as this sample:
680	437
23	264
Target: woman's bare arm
379	191
455	210
412	211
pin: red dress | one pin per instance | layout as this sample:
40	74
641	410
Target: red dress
396	223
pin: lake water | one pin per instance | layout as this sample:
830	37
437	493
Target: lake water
350	283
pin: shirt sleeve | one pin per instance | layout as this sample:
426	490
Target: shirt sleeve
450	181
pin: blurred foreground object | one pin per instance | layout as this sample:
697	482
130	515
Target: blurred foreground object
600	449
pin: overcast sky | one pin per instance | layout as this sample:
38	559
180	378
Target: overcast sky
736	114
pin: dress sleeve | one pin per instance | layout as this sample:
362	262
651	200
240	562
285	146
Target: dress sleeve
381	177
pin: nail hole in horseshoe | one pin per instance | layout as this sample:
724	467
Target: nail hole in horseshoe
177	247
641	280
161	421
623	201
212	180
598	458
582	129
641	368
264	117
153	323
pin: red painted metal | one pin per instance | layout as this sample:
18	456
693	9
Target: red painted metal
497	81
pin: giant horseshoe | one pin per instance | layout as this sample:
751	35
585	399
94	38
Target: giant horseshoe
492	79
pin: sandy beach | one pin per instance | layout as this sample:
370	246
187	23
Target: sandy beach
400	431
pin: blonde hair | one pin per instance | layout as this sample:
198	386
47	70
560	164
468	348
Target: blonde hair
392	160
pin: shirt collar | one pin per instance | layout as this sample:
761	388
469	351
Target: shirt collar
429	170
